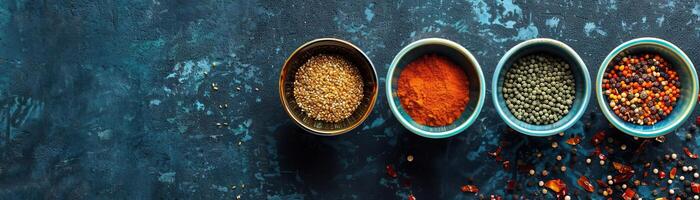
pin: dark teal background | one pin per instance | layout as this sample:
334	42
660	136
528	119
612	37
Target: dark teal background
108	99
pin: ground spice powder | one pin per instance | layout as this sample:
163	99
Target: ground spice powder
433	90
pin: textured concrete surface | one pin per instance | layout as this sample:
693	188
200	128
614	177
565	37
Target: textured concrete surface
112	99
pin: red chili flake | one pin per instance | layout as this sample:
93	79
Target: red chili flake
598	138
506	165
596	151
496	197
556	185
411	197
406	183
662	174
695	187
585	184
622	168
601	183
697	121
510	185
470	188
574	140
672	174
622	178
391	172
690	154
628	194
496	152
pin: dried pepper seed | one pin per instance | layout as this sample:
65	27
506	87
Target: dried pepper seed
585	184
541	183
641	89
470	188
409	158
328	88
555	145
588	160
532	172
539	89
674	156
623	147
559	157
696	175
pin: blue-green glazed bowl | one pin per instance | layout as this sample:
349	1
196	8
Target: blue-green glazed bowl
582	80
457	54
689	86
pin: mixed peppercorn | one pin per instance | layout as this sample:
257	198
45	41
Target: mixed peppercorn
641	89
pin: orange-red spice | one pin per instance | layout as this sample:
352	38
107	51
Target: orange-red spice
433	90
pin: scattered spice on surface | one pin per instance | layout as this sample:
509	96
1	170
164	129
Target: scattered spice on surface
433	90
539	89
689	153
391	171
328	88
573	140
641	89
585	184
470	188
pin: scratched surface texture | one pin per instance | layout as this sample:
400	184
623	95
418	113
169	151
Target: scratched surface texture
112	99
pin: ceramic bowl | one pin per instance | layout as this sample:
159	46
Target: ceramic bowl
457	54
328	46
689	86
582	82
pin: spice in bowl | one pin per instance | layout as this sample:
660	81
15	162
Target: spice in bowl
641	89
328	88
539	89
433	90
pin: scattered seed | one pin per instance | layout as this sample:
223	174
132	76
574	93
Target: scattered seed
555	145
602	162
588	160
559	157
674	156
670	191
541	183
545	172
696	175
532	172
544	191
623	147
656	171
563	168
409	158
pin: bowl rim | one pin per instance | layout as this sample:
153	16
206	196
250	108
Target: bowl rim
684	113
285	103
577	113
470	58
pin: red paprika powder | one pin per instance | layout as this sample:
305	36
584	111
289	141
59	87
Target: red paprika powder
433	90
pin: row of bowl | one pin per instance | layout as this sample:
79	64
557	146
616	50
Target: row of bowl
477	87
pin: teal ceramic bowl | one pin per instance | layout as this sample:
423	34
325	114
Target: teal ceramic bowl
457	54
582	80
689	86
